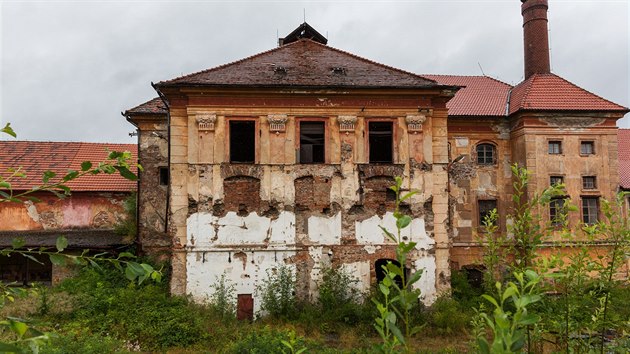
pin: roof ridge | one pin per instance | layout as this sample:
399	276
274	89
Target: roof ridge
230	63
471	76
528	83
585	90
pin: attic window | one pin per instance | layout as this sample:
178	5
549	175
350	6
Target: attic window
339	70
280	70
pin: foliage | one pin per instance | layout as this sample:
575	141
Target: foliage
278	292
222	298
399	300
82	343
269	340
510	317
128	225
337	288
448	316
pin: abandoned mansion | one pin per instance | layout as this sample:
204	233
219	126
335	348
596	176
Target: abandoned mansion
285	157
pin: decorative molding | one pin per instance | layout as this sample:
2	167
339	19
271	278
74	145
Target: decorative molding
277	122
347	123
414	122
205	122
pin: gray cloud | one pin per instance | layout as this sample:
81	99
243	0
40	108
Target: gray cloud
69	68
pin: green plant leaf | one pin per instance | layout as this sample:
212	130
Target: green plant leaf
47	176
124	171
126	255
61	243
9	348
18	242
86	165
70	175
8	130
403	221
32	258
57	259
18	327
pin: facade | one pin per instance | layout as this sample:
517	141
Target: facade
285	158
623	137
86	218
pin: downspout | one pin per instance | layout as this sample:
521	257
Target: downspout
168	136
137	240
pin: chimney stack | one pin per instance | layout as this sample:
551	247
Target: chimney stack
535	37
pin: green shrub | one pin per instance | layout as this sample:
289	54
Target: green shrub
337	288
447	316
85	344
267	340
278	293
223	297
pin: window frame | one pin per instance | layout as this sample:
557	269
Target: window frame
588	209
556	210
480	219
298	122
594	180
228	135
549	144
494	153
590	143
394	151
551	178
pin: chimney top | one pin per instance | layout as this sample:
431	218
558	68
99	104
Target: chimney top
535	37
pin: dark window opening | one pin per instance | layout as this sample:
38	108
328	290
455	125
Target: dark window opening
390	195
380	272
25	271
474	275
557	213
556	180
381	142
590	210
587	148
485	154
555	147
485	208
312	142
589	182
163	172
242	141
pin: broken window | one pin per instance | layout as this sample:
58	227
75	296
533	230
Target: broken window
242	141
556	180
555	147
485	208
381	142
590	210
312	142
587	148
589	182
486	154
163	176
556	211
25	271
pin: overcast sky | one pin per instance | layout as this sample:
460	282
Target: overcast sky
68	68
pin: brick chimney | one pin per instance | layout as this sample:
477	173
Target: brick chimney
535	37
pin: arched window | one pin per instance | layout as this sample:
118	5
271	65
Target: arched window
486	154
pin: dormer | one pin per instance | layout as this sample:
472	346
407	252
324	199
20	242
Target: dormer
303	31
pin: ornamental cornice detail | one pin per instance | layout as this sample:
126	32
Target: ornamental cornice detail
206	121
277	122
414	122
347	123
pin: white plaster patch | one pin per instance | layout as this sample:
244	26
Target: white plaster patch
360	271
371	249
31	210
368	231
205	230
461	141
205	268
325	230
426	284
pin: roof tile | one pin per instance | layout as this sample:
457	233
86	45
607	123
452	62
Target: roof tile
623	141
481	96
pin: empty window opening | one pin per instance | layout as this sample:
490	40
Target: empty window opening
25	271
557	214
556	180
485	154
381	142
380	272
312	141
485	208
587	148
242	141
555	147
474	275
590	210
589	182
163	176
390	195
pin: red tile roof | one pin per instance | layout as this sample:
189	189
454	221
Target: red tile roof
154	106
304	63
35	157
623	143
550	92
481	96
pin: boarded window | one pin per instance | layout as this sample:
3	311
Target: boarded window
381	142
312	193
590	210
242	141
242	193
312	143
377	194
486	154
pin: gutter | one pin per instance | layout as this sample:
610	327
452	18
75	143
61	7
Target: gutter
168	136
139	183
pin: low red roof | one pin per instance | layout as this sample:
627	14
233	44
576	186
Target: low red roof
623	144
154	106
304	63
35	157
481	96
550	92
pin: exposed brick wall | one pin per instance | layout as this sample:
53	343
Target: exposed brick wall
376	195
242	193
312	193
